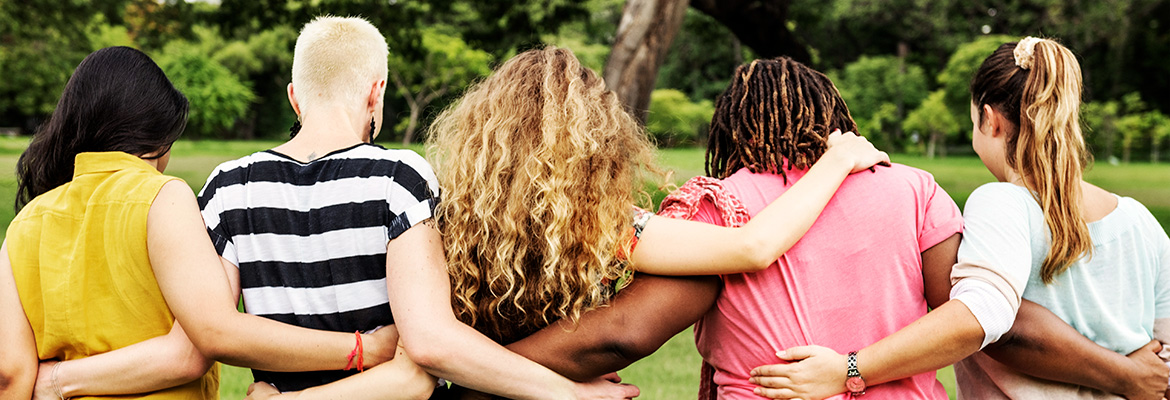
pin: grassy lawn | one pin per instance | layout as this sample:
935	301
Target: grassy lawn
672	372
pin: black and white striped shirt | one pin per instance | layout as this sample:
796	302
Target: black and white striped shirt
310	238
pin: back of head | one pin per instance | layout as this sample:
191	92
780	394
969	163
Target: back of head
538	166
118	99
776	114
337	59
1036	85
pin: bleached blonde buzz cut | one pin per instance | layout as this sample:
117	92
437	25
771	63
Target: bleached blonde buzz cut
337	59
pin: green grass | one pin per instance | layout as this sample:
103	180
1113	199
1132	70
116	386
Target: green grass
672	372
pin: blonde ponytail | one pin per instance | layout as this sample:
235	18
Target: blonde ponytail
1047	150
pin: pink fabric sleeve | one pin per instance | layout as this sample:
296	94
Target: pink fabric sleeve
941	217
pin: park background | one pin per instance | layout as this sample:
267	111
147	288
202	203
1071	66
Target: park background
902	65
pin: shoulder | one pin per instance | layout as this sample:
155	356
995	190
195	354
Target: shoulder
1140	216
405	156
1000	200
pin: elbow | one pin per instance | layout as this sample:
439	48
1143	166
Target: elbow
14	376
632	345
429	355
758	255
192	365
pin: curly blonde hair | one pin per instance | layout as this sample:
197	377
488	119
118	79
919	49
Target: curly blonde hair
538	166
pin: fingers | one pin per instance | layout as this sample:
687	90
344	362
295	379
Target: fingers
795	353
612	377
773	382
775	393
772	370
630	391
1153	345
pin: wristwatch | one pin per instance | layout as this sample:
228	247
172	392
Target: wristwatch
853	381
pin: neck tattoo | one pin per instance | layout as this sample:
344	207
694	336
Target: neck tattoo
312	155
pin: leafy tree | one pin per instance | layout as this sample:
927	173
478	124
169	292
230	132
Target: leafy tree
955	79
448	64
218	98
933	120
1100	120
674	119
702	59
871	82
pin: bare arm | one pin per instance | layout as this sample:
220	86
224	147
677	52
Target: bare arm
637	322
1041	344
397	379
154	364
677	247
18	371
194	285
420	297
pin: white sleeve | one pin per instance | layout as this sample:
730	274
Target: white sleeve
997	234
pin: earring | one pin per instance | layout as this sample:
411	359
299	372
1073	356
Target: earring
372	129
295	129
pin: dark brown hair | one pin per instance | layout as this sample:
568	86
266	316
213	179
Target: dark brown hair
775	115
118	99
1044	142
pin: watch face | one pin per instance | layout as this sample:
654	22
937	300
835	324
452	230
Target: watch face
855	384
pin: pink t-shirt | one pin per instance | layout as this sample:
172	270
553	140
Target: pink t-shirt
854	278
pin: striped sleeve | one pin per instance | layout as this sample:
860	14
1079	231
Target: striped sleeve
211	207
413	196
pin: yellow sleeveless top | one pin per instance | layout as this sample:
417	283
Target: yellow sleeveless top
79	257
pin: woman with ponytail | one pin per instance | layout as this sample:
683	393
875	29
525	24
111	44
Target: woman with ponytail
1097	260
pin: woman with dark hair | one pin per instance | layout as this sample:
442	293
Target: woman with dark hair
75	261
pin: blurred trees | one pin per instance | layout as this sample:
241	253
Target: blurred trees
895	61
447	64
674	119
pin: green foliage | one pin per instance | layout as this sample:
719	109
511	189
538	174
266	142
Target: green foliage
447	65
873	87
218	98
702	59
675	119
1100	122
934	121
955	79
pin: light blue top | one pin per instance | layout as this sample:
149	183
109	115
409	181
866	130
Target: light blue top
1111	297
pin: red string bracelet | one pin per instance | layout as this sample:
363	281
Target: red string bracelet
356	354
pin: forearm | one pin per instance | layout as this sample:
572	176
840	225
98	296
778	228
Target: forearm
940	338
637	322
460	354
1041	344
255	342
154	364
679	247
18	347
398	379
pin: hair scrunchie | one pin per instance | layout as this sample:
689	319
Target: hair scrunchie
1024	52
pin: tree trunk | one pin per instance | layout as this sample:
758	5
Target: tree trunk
643	38
415	110
933	144
1125	153
1154	152
903	50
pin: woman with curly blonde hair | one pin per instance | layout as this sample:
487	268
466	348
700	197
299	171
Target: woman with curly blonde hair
540	166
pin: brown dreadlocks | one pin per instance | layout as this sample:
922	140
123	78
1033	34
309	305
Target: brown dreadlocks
776	114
